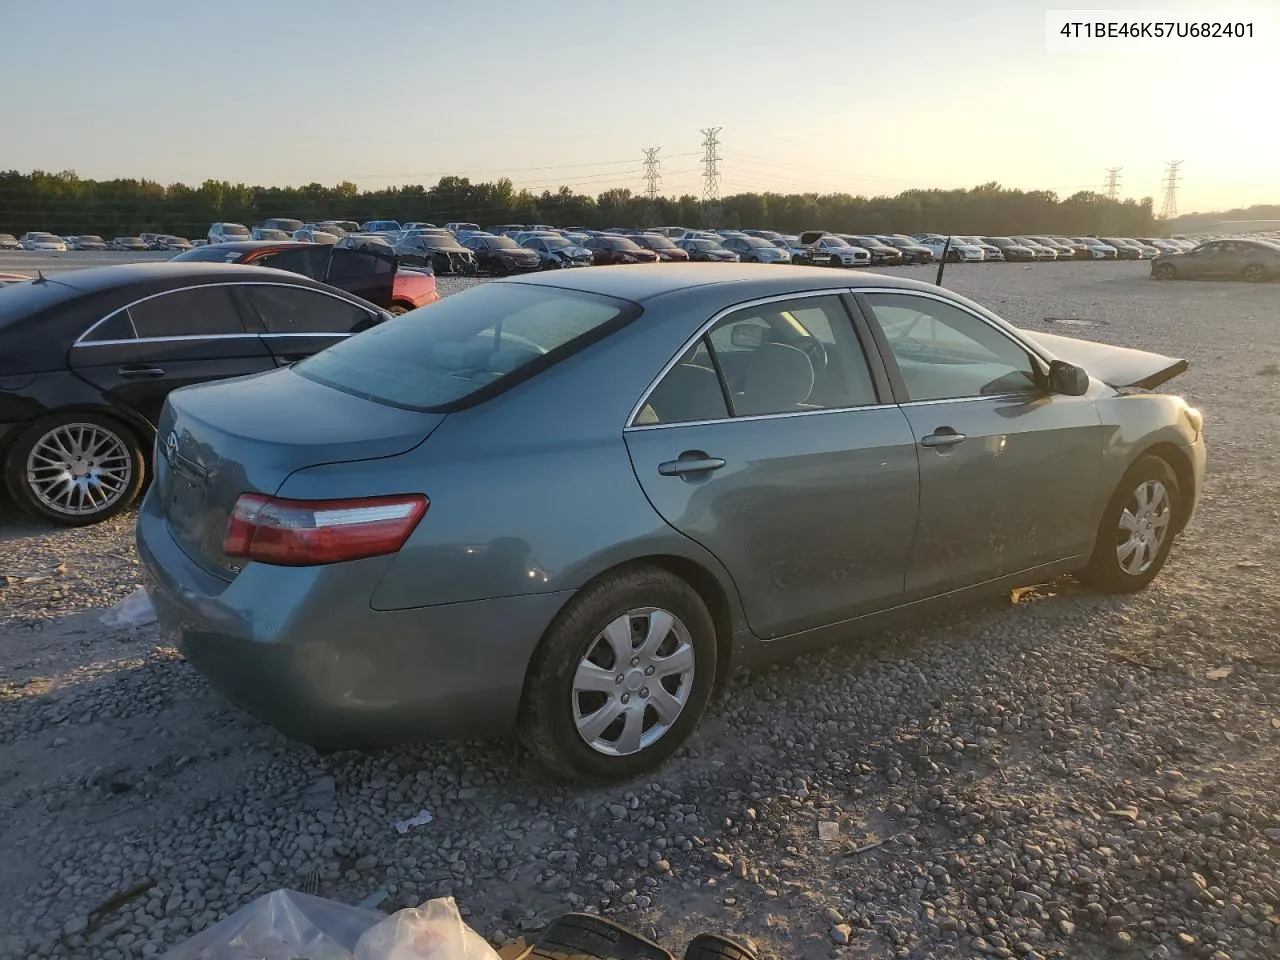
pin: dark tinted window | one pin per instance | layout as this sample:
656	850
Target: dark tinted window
356	265
294	310
117	327
209	254
309	261
428	359
202	312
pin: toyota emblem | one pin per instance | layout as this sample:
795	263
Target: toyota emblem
171	448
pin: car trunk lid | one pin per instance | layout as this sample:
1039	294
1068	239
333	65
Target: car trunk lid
1119	367
220	440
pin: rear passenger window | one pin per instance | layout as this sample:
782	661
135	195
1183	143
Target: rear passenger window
117	327
308	261
199	312
295	310
782	357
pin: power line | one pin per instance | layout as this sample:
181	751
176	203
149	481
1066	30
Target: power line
651	175
1169	210
1113	181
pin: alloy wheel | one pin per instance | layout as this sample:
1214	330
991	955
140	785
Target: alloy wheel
1254	273
79	468
634	681
1144	524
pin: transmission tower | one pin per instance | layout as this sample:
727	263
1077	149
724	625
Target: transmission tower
1169	210
651	174
1113	181
710	175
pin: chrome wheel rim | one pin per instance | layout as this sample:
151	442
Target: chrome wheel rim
79	468
1144	524
634	681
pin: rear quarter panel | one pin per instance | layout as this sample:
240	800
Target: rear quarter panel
532	491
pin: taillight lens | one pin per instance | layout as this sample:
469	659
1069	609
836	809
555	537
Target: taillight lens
303	533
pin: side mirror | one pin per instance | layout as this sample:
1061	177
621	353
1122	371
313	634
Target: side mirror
1067	379
746	336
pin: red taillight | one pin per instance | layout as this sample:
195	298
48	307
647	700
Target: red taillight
303	533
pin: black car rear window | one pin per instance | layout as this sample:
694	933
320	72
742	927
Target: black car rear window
466	347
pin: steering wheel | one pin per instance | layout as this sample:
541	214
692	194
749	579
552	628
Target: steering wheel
814	349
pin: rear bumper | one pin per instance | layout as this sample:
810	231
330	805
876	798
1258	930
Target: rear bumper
301	649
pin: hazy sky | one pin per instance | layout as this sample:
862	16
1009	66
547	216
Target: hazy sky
868	97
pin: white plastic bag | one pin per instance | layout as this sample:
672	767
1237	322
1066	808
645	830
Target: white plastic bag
287	925
281	925
433	931
135	610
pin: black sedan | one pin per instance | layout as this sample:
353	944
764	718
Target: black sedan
1013	250
438	249
912	252
882	254
501	255
88	357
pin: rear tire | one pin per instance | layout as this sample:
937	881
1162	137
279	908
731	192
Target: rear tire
1165	271
110	456
1255	273
399	308
1137	528
609	620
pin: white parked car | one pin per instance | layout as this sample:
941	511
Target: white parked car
88	241
223	232
45	242
958	251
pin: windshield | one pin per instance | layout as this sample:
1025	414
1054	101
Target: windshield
835	242
704	244
273	235
469	342
555	243
235	230
125	239
867	242
656	241
622	243
501	243
755	242
87	238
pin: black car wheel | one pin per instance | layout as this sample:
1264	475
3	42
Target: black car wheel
1165	271
1137	528
1255	273
497	267
75	469
621	677
399	308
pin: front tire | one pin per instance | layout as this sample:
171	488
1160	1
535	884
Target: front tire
399	308
1254	273
1137	528
621	677
75	469
1165	271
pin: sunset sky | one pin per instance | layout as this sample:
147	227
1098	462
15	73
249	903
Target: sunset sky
818	95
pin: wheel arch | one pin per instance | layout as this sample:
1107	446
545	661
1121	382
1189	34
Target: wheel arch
1180	463
725	614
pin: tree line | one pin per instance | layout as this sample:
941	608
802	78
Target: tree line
65	204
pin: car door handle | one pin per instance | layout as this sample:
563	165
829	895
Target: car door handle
688	465
140	373
943	437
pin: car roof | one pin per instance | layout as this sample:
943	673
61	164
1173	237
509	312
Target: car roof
94	279
641	283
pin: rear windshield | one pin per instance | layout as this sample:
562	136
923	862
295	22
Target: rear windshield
214	253
488	337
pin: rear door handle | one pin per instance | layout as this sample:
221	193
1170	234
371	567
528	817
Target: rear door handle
140	373
687	465
943	437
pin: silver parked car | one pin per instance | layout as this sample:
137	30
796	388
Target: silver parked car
571	504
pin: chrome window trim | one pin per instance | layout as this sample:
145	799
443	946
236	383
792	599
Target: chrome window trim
80	341
760	416
702	331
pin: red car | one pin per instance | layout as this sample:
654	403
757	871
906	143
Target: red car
610	248
664	248
368	272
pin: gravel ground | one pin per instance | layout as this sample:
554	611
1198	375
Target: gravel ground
1066	775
